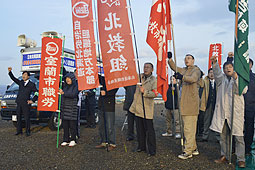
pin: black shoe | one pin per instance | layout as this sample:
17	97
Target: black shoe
18	133
93	126
87	126
28	134
129	139
151	154
140	150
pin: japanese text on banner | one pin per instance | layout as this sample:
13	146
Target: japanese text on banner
49	74
215	50
116	44
84	44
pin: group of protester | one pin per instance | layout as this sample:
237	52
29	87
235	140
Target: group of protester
207	101
212	99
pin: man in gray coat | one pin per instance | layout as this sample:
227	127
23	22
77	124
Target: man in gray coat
221	122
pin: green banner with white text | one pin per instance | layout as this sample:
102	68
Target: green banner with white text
241	53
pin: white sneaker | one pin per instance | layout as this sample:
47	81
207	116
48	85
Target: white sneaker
167	134
185	156
72	143
64	143
178	136
195	152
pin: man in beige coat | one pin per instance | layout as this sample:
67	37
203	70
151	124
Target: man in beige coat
189	104
144	113
208	101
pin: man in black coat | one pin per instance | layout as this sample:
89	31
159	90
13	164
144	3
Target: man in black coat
90	104
23	101
171	105
106	106
249	114
129	97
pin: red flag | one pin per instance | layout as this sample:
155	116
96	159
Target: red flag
49	74
116	44
168	20
157	36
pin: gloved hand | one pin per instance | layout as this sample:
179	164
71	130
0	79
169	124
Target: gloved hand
178	75
169	54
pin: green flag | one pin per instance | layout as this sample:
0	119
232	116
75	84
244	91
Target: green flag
241	52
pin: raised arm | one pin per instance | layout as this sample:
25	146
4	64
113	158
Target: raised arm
218	75
17	81
173	66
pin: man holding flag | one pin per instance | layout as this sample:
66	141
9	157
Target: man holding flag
233	85
189	104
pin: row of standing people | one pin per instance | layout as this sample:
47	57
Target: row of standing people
143	108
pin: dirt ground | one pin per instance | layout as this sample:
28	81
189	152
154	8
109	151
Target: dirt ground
39	150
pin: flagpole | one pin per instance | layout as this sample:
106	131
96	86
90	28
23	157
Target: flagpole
61	77
101	77
177	85
233	93
137	58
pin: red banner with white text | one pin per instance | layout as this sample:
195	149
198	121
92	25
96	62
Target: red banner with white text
116	44
159	32
215	50
49	74
84	44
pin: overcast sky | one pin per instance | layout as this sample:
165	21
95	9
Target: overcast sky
197	23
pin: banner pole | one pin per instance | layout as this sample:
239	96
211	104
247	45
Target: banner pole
233	93
177	86
101	70
61	77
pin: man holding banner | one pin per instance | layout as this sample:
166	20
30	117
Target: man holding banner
143	108
190	76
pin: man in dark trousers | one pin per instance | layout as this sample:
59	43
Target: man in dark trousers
208	102
129	97
143	108
249	113
23	101
90	104
106	106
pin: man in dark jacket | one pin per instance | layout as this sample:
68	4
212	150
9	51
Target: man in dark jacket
90	104
129	97
249	114
23	101
106	105
171	105
69	96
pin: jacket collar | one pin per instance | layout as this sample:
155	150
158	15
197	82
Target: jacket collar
146	79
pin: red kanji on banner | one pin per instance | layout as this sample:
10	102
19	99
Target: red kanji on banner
158	33
49	74
116	44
